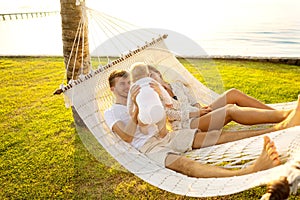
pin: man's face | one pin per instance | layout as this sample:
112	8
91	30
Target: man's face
122	86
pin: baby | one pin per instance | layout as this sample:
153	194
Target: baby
151	109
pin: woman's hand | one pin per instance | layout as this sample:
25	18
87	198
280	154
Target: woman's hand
155	87
204	110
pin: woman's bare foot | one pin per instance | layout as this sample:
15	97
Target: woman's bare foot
292	120
268	158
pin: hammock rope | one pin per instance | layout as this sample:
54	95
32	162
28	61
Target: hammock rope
111	26
90	95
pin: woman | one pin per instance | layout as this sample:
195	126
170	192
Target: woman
233	105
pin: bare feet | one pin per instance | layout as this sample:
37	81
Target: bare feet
268	158
292	120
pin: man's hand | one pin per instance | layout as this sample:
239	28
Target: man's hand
135	90
134	111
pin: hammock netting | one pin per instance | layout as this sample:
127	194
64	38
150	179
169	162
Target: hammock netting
90	95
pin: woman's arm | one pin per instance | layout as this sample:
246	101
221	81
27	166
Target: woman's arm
193	102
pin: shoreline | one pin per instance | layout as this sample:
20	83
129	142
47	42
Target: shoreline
279	60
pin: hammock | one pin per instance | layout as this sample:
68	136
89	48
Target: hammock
90	95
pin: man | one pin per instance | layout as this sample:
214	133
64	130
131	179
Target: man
165	147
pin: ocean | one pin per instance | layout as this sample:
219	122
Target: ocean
280	39
260	38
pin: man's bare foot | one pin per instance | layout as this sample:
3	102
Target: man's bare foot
268	158
292	120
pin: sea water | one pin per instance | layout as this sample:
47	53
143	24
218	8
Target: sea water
279	38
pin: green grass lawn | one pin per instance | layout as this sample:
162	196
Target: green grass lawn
42	156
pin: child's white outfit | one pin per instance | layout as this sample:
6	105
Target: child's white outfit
151	108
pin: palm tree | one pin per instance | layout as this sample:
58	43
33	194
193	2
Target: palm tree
79	61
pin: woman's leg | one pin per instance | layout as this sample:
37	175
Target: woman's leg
268	158
293	119
234	96
205	139
217	119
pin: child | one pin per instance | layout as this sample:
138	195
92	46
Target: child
151	109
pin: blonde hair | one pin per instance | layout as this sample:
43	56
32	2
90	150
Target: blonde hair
138	70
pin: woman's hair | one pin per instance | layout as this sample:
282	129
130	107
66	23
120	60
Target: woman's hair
152	68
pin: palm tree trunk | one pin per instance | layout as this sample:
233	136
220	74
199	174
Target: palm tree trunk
79	61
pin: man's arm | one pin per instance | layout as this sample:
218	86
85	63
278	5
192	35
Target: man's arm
127	132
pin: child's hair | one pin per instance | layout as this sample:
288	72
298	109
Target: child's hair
138	70
116	74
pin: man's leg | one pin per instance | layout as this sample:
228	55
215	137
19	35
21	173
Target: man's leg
269	158
210	138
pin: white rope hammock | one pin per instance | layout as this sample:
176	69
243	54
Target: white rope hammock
91	96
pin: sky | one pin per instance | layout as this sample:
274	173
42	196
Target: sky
190	17
191	13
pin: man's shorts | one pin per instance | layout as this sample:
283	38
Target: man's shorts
176	142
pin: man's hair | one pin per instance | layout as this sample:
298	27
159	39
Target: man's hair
116	74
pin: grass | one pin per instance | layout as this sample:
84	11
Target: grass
41	153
